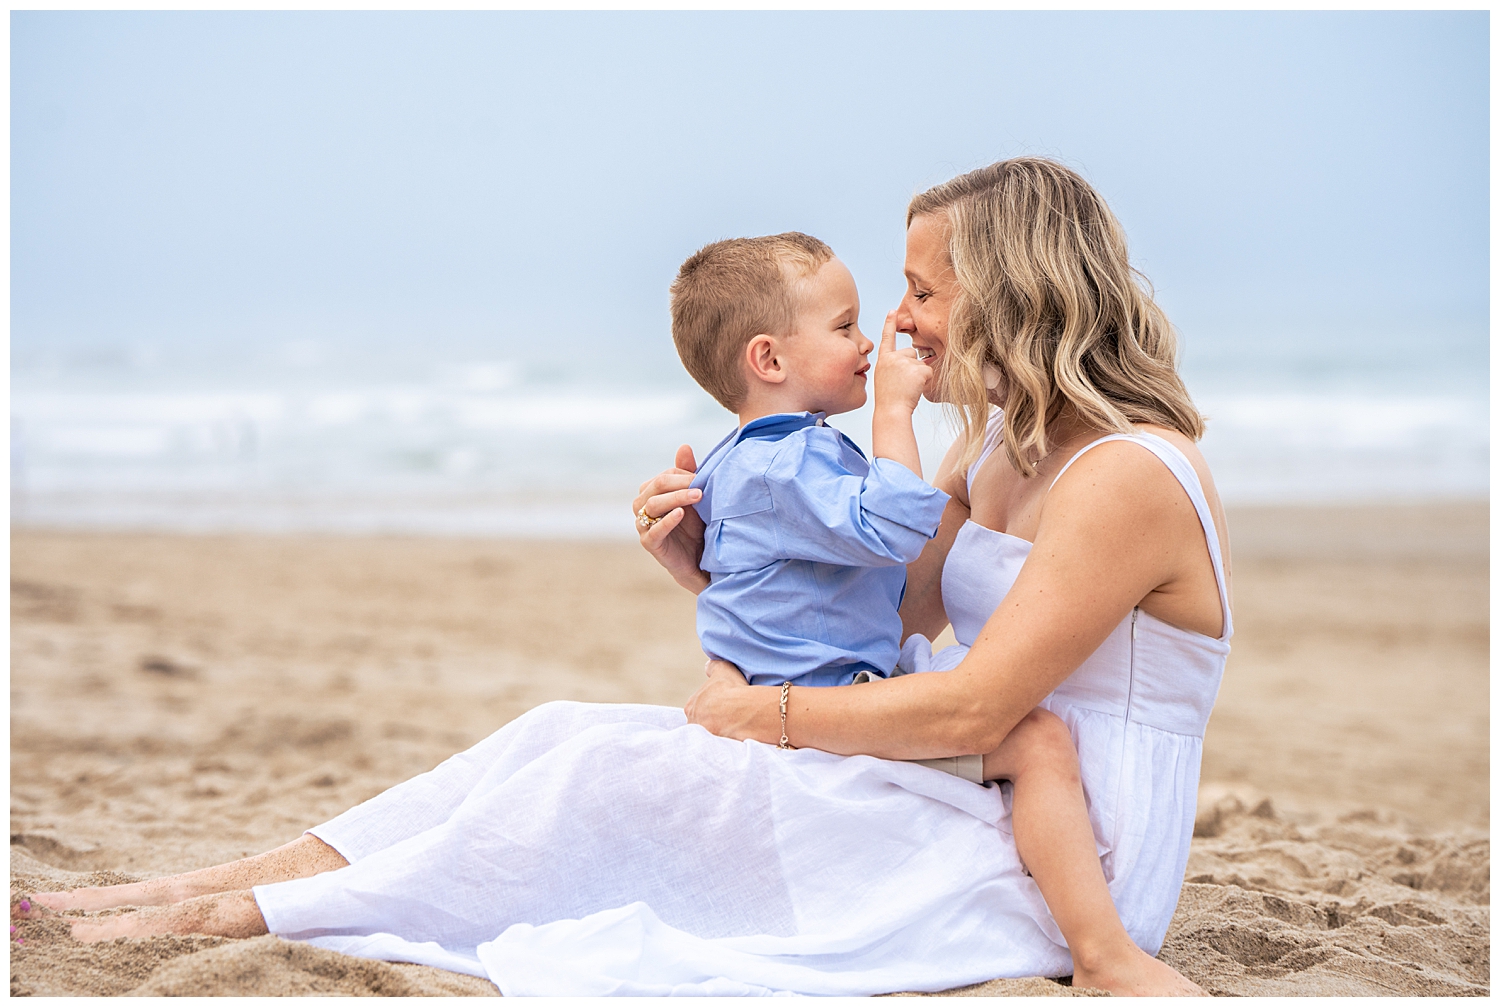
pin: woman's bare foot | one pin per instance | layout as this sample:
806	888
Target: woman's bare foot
301	858
1134	973
226	914
156	892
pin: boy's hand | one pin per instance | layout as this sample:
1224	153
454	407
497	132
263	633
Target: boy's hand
900	378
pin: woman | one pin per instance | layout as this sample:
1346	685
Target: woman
597	849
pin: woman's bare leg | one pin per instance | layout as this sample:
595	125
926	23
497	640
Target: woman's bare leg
225	914
301	858
1056	843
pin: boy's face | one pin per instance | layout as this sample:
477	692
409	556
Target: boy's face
826	356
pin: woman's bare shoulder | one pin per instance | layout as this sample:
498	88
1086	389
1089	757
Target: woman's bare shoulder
1128	514
1194	455
1190	450
1133	484
1117	475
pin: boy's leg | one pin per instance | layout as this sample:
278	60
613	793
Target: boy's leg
301	858
1056	843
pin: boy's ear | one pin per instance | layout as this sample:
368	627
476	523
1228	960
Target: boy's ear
762	357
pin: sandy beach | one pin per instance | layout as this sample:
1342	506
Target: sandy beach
179	701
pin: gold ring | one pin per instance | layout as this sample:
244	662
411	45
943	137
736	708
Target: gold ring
645	520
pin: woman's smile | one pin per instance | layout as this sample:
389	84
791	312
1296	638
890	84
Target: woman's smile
930	286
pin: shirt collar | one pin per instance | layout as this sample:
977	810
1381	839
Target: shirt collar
774	425
778	424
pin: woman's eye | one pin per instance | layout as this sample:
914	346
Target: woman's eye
919	295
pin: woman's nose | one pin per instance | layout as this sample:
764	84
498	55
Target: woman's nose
904	321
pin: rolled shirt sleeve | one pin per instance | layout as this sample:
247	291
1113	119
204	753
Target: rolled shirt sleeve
831	506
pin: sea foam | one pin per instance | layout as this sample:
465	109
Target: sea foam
488	453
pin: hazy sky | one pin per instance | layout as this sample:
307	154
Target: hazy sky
524	185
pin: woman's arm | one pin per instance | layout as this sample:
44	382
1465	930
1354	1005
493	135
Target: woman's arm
1115	528
675	541
922	606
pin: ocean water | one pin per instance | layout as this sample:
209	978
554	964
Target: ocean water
466	445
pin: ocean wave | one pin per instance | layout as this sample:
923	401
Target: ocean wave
1348	420
407	457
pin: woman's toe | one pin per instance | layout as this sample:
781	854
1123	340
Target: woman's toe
30	908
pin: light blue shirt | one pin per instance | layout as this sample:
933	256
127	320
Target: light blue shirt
806	549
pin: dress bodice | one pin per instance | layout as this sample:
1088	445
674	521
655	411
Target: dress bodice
1146	670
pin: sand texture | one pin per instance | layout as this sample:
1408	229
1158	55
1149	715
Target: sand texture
181	701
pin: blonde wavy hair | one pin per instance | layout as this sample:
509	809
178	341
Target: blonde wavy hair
1047	295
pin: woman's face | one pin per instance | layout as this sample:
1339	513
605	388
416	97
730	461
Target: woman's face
930	288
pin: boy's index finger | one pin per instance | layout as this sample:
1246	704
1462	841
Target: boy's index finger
888	334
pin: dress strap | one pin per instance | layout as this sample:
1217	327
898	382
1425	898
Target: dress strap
1177	463
994	428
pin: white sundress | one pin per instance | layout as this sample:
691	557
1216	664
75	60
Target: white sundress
596	849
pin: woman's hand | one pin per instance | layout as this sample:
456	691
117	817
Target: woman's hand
730	707
675	541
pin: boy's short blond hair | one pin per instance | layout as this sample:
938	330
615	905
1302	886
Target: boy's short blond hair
729	292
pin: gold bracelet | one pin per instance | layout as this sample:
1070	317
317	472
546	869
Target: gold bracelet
786	689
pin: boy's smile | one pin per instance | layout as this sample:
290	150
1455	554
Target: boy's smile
827	356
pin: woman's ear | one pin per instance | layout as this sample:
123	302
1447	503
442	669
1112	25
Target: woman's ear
762	356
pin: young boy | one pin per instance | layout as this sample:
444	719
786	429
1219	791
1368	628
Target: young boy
806	541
